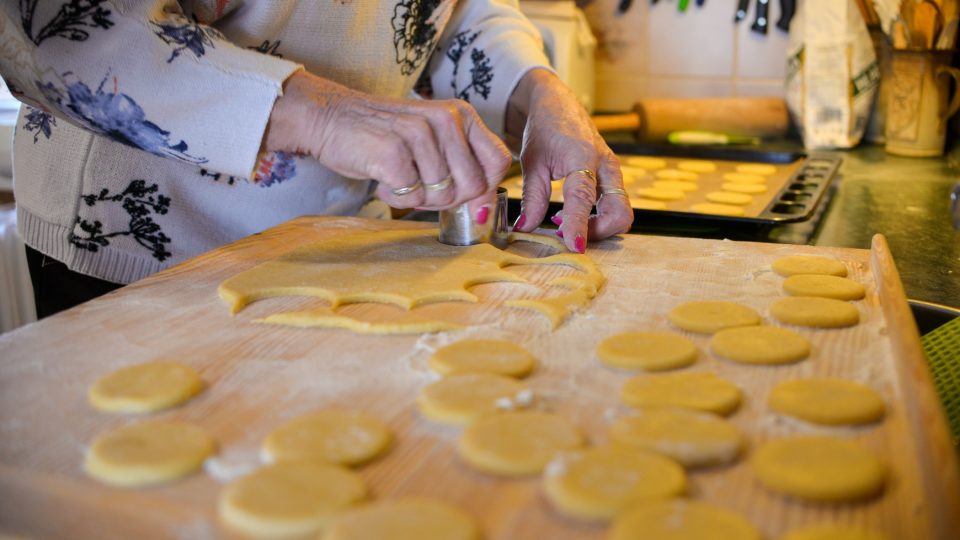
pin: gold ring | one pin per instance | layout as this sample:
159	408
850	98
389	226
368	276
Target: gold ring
401	191
441	185
614	191
586	172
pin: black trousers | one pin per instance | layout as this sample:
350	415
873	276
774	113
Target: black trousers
56	287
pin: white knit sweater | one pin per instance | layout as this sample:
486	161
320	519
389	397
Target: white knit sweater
139	145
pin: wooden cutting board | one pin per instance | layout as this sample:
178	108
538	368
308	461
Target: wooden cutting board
259	376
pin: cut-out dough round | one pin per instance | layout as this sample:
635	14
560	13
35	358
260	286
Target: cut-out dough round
718	209
831	531
808	264
331	436
692	438
757	168
681	520
744	178
649	351
633	173
698	166
599	483
710	316
724	197
404	519
824	286
661	194
674	174
462	398
677	185
288	499
483	356
760	345
147	453
644	162
827	401
647	204
815	312
818	468
145	388
517	443
743	188
687	390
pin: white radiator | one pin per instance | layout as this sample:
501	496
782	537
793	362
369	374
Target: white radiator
16	292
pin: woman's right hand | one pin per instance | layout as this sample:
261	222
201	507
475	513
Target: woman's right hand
401	143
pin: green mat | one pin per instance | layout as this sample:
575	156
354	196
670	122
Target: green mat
942	347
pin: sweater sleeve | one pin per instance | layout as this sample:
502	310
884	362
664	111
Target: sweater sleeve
143	74
486	48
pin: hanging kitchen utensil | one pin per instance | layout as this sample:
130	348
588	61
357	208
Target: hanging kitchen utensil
927	22
761	23
742	6
787	9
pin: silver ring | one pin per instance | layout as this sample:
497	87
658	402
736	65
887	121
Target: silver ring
614	191
401	191
441	185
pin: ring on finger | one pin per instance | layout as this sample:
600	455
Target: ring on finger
614	191
586	172
406	190
441	185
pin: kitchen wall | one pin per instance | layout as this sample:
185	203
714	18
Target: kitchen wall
653	50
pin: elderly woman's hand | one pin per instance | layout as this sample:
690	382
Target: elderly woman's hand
560	142
429	154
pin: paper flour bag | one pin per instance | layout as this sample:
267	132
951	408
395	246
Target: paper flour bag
832	73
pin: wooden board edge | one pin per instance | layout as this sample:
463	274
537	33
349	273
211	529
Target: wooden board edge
928	423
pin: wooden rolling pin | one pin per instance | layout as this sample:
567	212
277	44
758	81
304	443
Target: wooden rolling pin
654	119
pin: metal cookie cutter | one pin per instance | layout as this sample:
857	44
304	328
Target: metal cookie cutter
458	227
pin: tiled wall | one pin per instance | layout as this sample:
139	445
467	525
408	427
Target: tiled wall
653	50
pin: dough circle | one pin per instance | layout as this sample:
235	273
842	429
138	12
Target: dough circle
760	345
599	483
718	209
649	351
724	197
147	387
462	398
661	194
757	168
678	185
711	316
824	286
699	166
647	204
744	178
287	499
743	188
483	356
674	174
404	519
517	443
699	391
818	468
815	312
330	436
830	531
644	162
147	453
681	519
827	401
808	264
692	438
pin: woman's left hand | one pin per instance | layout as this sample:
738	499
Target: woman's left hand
561	143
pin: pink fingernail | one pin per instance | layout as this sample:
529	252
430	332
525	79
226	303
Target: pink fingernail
482	214
519	222
559	233
580	243
557	220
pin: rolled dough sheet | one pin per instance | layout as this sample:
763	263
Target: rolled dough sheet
289	499
331	436
147	453
147	387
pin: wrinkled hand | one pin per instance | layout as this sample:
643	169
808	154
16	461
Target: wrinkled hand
560	140
398	142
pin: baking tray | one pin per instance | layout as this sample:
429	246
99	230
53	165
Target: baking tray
793	193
